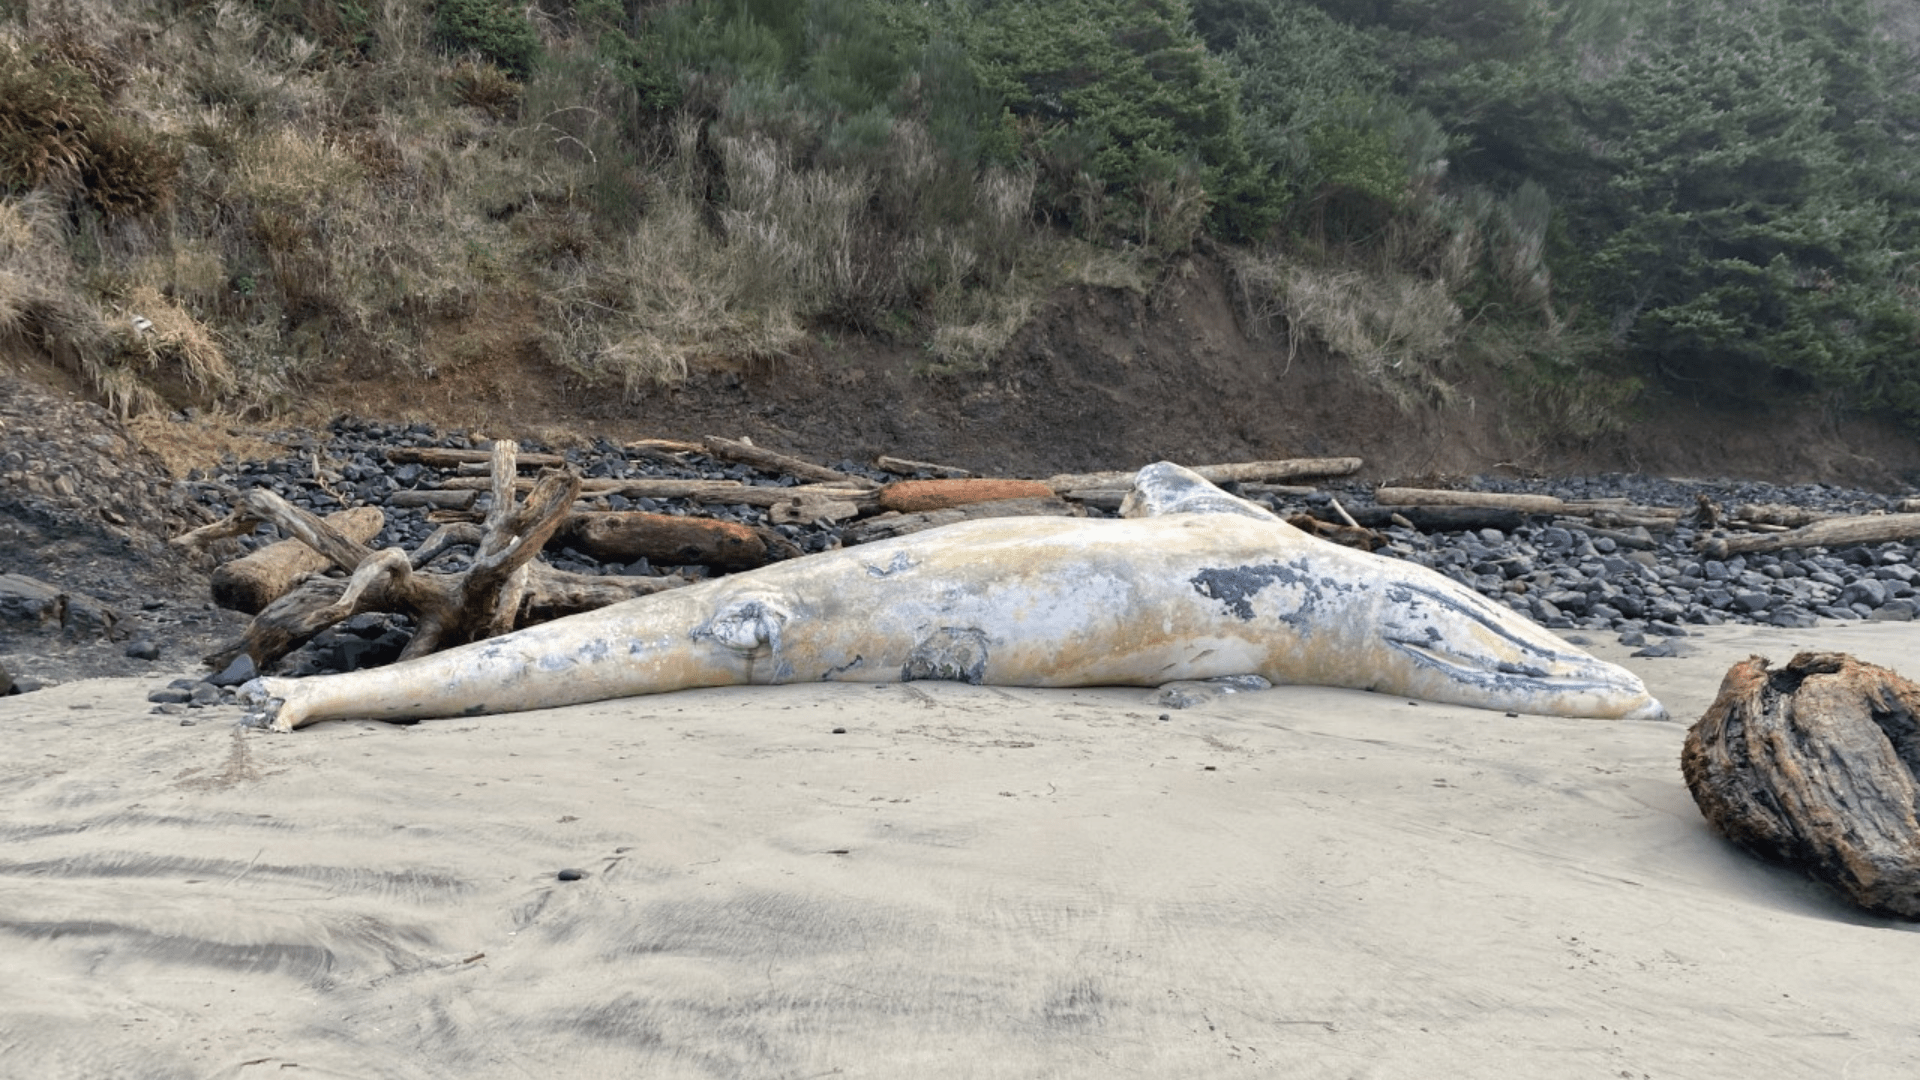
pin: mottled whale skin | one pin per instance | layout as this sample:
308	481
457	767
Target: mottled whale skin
1191	583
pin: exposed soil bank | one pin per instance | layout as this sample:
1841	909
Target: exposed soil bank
1105	378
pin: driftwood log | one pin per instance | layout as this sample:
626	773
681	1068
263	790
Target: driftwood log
439	457
1832	532
908	467
1815	766
748	454
725	492
1230	473
1338	532
258	578
1749	514
1427	518
883	526
626	536
504	587
1606	512
1484	500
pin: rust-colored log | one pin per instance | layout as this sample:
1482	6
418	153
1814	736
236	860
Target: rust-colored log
919	496
624	536
257	579
1815	766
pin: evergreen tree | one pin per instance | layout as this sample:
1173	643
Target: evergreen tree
1732	240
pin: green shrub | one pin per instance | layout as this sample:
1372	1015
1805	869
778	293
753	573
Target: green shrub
493	28
1111	94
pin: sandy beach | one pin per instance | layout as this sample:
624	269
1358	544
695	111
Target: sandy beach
966	882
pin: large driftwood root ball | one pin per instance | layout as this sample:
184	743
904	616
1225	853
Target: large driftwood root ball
1817	765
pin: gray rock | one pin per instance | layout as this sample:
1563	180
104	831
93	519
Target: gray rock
1794	618
1567	600
1894	611
1869	591
236	673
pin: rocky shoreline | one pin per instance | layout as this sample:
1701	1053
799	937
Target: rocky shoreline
1647	587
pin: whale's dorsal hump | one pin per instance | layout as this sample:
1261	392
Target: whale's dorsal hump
1166	488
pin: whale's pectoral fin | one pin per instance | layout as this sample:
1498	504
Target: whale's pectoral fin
264	711
1166	488
1188	693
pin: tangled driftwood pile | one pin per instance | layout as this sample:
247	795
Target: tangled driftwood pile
504	587
1817	765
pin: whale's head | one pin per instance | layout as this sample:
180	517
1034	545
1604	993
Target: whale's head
1458	646
1374	621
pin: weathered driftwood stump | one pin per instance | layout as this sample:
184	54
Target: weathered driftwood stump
253	581
1817	766
504	587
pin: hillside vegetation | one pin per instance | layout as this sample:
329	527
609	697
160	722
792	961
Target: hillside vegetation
221	202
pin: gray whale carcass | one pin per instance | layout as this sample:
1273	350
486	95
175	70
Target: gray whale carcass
1190	583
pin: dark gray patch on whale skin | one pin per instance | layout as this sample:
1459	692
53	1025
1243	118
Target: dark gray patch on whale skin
951	653
899	563
843	668
1235	587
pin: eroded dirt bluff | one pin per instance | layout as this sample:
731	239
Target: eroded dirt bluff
1105	378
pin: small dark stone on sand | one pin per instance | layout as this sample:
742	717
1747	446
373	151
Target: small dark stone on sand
571	874
839	731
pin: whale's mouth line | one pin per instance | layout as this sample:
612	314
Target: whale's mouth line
1505	673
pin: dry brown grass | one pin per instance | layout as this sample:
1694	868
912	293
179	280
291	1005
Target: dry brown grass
1396	328
337	221
159	335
